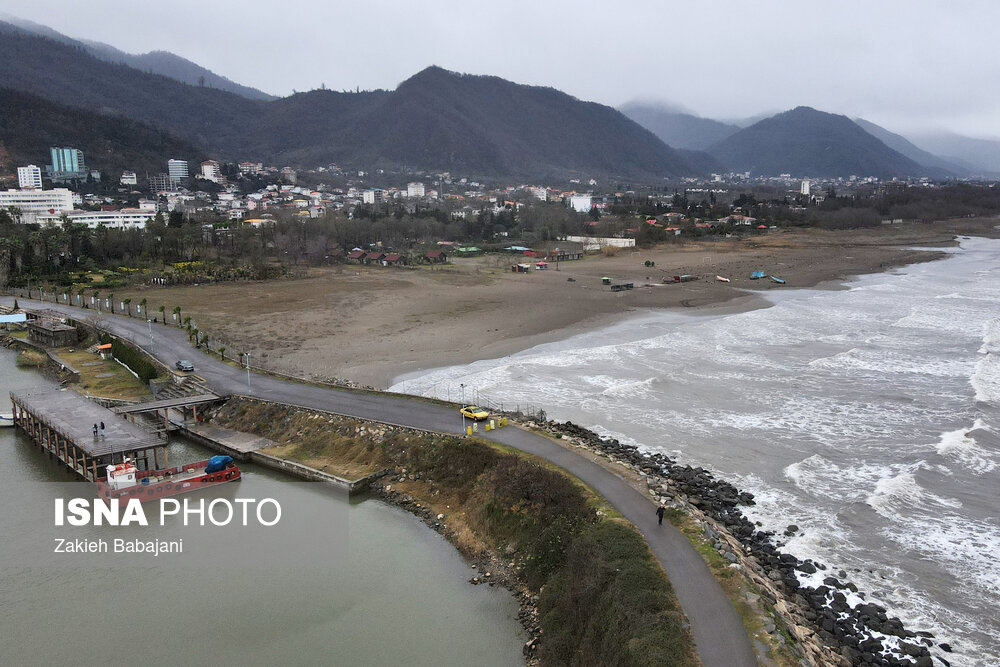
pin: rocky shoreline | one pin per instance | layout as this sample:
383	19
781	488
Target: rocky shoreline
491	570
833	623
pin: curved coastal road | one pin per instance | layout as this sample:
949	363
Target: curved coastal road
718	632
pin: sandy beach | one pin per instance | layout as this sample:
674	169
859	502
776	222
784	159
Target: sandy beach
372	324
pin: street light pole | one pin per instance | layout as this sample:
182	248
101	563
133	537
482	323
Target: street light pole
462	385
149	323
249	388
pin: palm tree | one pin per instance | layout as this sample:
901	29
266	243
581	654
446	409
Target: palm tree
222	353
128	306
111	301
163	315
177	313
142	306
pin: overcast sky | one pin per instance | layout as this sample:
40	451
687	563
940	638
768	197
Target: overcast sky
907	65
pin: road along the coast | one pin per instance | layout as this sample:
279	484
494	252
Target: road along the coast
718	632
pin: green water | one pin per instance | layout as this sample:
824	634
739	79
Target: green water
390	592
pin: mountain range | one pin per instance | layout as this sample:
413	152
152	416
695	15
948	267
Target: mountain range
155	62
436	120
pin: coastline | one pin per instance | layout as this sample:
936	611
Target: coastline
369	325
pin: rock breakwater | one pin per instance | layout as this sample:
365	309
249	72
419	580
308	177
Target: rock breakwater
833	623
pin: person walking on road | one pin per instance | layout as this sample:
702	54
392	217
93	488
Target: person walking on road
95	431
659	515
102	429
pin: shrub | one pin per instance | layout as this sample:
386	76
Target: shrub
632	617
133	359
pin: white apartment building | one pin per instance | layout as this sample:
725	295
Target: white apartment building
804	188
375	196
210	171
127	218
540	194
29	178
414	189
33	203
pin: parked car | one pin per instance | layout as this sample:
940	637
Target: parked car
475	413
184	365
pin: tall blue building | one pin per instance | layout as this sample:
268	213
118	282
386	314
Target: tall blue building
67	163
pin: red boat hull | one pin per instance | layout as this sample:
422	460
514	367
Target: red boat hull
169	482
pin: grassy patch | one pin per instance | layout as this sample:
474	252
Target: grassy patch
106	378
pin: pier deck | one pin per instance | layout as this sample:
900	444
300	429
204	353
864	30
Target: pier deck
62	422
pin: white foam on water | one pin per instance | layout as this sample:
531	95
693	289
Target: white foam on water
894	495
960	446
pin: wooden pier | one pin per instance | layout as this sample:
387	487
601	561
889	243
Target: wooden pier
61	422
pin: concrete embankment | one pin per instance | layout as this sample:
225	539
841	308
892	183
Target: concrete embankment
247	447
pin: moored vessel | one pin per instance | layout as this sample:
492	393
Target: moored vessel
125	481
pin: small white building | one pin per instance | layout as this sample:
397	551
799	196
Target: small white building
29	178
414	189
580	203
374	196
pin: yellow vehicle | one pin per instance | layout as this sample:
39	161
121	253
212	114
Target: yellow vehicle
476	413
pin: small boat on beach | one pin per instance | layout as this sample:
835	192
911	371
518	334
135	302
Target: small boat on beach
777	280
757	275
6	419
721	279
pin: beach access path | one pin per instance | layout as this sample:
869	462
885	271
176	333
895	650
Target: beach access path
718	631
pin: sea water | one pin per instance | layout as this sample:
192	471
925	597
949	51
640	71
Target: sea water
869	417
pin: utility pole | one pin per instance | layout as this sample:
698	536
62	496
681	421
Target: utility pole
249	388
463	408
149	323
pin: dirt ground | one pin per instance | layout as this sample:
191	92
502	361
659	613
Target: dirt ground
371	324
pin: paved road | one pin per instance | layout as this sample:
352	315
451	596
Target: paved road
719	634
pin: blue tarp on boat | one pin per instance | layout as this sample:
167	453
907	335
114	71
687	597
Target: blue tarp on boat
757	275
217	463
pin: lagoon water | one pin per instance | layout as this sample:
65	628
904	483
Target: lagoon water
869	417
387	591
